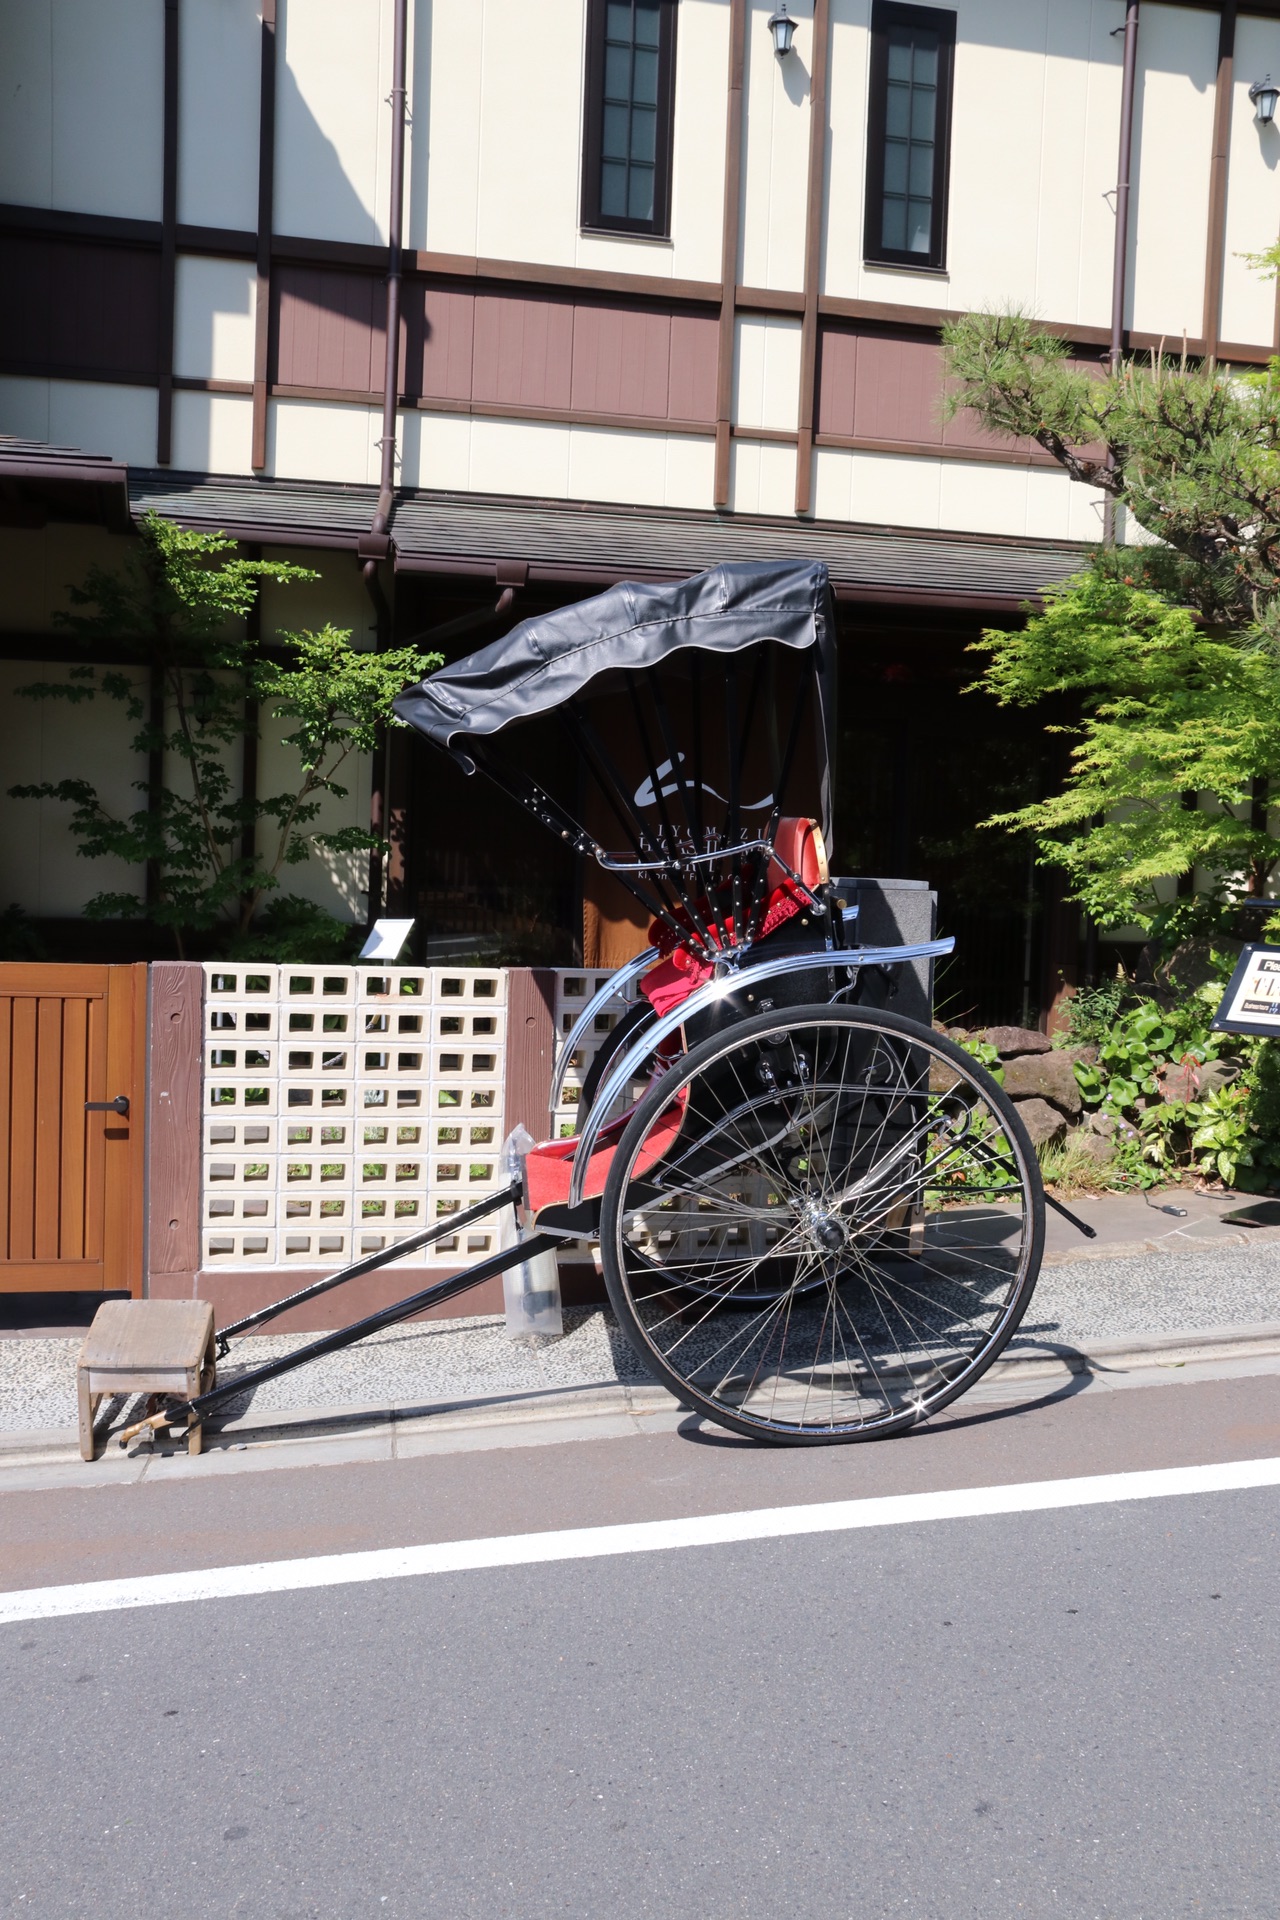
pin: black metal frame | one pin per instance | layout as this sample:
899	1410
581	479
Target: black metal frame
195	1409
884	15
699	877
593	127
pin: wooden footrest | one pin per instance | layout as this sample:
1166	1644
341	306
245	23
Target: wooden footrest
145	1346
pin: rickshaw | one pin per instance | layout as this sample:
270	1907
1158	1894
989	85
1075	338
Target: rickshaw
817	1220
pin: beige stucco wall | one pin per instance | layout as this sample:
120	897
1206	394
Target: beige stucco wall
212	433
495	156
958	496
82	125
1253	189
97	416
337	882
220	65
333	126
322	440
337	597
766	372
38	565
1173	140
215	302
43	740
775	159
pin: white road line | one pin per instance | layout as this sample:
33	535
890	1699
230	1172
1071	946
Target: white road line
646	1536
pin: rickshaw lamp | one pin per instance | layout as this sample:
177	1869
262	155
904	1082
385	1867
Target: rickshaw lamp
782	27
1264	94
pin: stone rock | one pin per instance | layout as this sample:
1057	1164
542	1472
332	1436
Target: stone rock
1190	966
1095	1146
1087	1056
1009	1041
1044	1123
1102	1124
1196	1081
1044	1076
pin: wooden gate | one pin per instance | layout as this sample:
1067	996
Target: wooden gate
71	1179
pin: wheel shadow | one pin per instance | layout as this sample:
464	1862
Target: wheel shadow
699	1431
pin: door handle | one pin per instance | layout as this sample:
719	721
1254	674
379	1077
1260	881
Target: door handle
119	1105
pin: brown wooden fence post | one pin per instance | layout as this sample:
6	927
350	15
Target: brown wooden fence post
175	1040
531	1044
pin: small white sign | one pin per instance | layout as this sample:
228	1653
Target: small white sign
1251	1003
386	940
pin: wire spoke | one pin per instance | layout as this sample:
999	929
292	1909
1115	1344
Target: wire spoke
806	1256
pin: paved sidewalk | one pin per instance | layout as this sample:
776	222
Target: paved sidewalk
1150	1276
1128	1224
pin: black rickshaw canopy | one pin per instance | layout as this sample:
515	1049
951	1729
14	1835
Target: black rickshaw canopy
715	720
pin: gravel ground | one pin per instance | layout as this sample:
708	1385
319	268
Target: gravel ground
449	1360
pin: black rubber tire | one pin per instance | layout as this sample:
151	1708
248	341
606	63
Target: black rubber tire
658	1098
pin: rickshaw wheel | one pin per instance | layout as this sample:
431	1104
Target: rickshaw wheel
842	1236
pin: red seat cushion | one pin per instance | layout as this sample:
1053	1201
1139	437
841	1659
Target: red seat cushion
549	1168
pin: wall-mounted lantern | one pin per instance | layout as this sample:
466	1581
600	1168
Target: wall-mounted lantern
782	27
1264	94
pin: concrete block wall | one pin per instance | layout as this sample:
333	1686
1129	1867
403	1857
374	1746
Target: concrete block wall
345	1107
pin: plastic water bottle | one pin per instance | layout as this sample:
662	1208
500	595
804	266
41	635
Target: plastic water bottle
531	1290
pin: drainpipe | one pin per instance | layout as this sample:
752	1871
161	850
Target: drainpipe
1120	264
375	545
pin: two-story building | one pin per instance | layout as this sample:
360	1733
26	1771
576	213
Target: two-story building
668	279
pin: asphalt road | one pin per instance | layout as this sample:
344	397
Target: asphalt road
1066	1712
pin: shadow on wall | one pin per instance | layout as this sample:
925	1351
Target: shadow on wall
1268	134
796	78
215	428
418	149
310	156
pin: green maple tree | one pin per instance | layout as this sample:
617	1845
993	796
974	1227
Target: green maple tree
181	601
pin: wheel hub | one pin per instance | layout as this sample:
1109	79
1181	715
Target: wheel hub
826	1230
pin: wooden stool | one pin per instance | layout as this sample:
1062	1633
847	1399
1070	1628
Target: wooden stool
145	1346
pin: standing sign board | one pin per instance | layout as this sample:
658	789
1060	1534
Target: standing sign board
1251	1003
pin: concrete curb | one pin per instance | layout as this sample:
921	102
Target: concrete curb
387	1430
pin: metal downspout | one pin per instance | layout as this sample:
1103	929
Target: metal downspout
375	545
1120	263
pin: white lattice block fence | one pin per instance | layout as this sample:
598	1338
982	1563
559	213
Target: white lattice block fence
346	1107
574	987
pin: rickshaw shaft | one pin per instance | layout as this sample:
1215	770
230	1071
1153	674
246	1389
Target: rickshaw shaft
432	1296
452	1223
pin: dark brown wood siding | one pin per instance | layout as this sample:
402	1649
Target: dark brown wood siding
883	384
72	306
329	329
440	343
522	353
490	348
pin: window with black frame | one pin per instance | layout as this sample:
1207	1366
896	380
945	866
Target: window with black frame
630	87
909	135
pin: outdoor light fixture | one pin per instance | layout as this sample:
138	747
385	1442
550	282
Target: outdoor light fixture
1264	94
782	26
